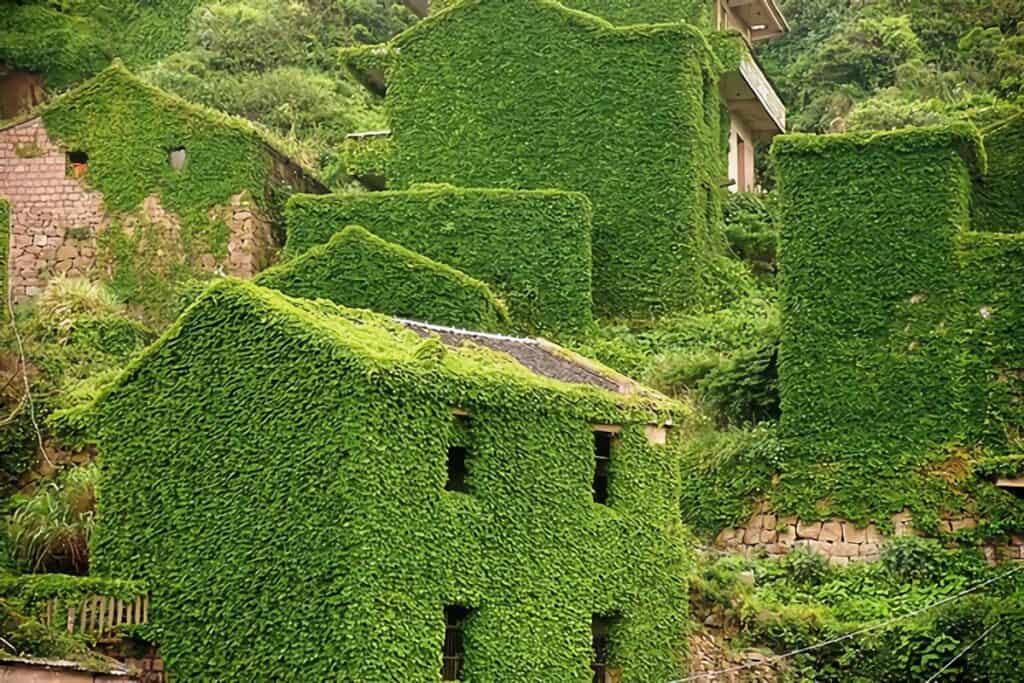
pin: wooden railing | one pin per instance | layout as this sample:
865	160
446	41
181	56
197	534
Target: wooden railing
96	615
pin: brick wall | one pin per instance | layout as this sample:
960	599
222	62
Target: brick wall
45	204
55	218
838	540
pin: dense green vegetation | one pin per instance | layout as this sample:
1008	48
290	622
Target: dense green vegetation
355	268
888	63
800	601
895	382
338	510
531	247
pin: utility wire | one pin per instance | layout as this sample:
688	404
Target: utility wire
24	375
963	652
852	634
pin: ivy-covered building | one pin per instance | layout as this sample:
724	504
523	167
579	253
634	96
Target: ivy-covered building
319	493
117	179
631	115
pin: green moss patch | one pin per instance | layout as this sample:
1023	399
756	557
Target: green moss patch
358	269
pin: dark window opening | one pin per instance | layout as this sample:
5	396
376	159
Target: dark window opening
453	658
458	455
601	631
603	443
77	163
176	158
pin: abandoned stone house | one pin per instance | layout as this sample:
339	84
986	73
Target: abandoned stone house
115	151
501	507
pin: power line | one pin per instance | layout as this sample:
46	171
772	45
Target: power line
848	636
963	652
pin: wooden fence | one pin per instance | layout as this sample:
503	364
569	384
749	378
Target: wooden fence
96	615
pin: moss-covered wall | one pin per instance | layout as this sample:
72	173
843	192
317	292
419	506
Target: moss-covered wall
300	530
531	248
630	116
868	362
358	269
998	204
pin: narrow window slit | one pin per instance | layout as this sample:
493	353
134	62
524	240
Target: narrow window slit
604	441
458	456
453	658
601	633
176	158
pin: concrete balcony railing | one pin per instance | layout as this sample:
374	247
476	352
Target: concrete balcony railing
750	97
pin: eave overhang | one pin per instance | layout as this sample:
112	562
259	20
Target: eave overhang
751	97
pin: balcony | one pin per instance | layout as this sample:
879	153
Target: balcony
752	99
757	20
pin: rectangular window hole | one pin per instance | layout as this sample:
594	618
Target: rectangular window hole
604	442
176	158
458	455
453	657
601	627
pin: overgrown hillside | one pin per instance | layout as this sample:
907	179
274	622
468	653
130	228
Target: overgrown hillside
270	61
878	64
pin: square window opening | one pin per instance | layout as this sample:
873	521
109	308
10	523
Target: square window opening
601	627
604	442
77	164
453	658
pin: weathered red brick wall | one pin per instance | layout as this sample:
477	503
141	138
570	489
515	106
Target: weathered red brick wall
55	218
45	205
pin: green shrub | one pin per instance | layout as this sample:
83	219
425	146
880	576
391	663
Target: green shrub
51	528
912	558
752	229
299	528
5	241
531	248
358	269
645	145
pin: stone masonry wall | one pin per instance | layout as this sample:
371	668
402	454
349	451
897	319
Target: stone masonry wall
55	217
838	540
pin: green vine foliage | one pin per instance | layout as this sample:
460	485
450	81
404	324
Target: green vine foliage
5	241
72	40
358	269
626	12
129	161
631	116
870	362
531	248
900	353
308	532
998	195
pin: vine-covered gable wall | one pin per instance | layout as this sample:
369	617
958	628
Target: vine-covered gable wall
998	204
531	247
630	116
301	530
358	269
